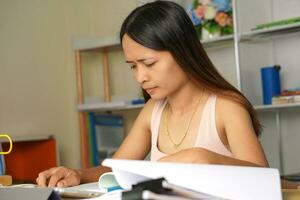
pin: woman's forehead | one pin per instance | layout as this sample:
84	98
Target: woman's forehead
134	50
130	44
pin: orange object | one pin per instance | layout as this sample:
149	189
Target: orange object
28	158
5	180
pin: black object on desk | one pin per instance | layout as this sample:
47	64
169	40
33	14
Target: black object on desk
161	189
138	189
292	177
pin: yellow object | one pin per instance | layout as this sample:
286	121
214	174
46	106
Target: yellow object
5	180
10	144
291	194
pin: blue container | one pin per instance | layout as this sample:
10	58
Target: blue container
270	82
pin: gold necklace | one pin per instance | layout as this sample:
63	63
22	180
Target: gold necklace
188	127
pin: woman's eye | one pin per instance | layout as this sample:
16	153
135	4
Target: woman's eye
149	64
132	66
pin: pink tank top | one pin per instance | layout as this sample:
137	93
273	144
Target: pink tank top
207	137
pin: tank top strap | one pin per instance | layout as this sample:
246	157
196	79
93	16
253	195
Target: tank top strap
155	122
208	136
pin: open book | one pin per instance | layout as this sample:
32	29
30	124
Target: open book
229	182
106	183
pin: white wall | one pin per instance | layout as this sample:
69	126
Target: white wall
37	73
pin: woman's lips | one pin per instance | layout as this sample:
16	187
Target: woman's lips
150	90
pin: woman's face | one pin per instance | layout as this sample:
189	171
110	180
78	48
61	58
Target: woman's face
156	71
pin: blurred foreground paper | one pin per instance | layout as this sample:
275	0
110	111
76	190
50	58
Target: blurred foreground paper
230	182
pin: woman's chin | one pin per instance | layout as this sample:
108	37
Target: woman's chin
157	97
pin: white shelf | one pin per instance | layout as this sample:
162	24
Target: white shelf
262	108
121	106
94	43
271	33
216	42
97	43
109	106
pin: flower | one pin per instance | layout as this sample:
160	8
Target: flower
200	12
210	12
213	15
222	19
195	19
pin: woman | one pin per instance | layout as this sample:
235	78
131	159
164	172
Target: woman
193	114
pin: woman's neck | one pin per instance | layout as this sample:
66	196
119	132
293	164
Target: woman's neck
184	100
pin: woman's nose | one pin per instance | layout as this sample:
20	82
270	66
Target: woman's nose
141	75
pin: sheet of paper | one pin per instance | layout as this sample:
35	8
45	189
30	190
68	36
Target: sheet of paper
232	182
87	187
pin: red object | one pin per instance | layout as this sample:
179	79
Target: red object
290	93
28	158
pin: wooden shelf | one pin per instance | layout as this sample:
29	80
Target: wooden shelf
109	106
263	108
98	44
271	33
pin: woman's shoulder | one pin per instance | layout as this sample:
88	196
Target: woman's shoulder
151	103
146	112
230	114
229	107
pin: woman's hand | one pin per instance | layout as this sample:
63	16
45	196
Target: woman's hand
193	155
59	177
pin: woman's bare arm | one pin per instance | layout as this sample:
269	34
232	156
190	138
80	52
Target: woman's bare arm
135	146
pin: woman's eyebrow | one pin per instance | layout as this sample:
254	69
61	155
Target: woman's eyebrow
139	60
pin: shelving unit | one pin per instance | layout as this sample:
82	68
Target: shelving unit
271	34
267	47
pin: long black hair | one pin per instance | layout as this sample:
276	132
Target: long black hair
165	26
